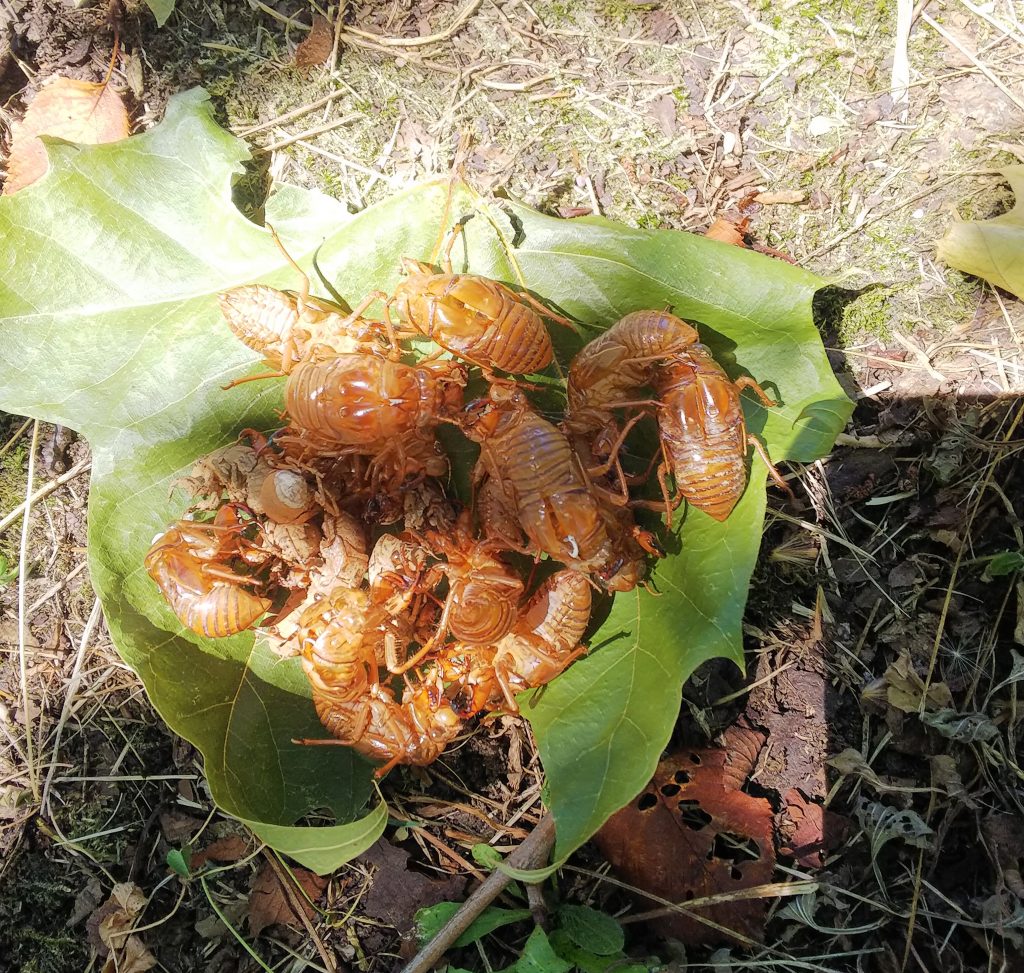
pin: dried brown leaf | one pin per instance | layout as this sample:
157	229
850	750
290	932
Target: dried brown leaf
694	833
905	688
317	46
77	111
728	231
133	957
228	849
809	830
269	904
396	892
109	926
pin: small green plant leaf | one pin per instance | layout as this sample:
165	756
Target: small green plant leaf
131	350
177	861
1003	563
992	249
486	855
539	957
8	572
587	961
430	920
590	929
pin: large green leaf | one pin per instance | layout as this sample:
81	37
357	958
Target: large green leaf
111	267
129	348
993	249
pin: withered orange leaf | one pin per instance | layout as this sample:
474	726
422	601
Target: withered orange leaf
728	231
694	833
316	48
78	111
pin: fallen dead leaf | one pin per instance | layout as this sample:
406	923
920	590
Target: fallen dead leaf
77	111
133	958
808	830
270	905
396	892
87	901
228	849
991	248
317	46
108	931
693	833
663	110
177	827
728	231
904	688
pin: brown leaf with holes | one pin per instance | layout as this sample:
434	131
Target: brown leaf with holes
76	111
728	231
269	904
317	46
694	833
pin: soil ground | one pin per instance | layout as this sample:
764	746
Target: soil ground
879	579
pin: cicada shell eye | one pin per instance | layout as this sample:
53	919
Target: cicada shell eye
286	497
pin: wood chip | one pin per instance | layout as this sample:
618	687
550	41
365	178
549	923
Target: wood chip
791	196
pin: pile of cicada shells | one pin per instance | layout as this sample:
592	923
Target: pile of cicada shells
410	614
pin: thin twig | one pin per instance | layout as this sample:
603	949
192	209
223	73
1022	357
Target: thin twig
382	159
310	132
393	182
898	85
69	697
6	448
22	614
288	886
291	115
59	586
1007	30
530	854
339	19
467	12
44	491
885	211
950	39
447	852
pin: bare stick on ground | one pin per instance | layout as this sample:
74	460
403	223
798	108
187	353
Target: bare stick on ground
532	853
